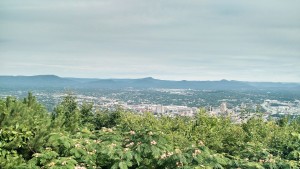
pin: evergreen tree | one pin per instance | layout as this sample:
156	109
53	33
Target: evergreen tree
66	115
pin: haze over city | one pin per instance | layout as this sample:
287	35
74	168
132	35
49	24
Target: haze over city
171	39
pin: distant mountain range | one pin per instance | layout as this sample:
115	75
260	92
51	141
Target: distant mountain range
52	81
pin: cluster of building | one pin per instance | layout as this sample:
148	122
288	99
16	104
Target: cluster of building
271	108
109	104
237	113
283	108
171	110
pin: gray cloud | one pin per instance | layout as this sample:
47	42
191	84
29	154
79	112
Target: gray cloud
195	40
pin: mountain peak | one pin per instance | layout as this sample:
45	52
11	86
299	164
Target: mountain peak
47	76
150	78
224	80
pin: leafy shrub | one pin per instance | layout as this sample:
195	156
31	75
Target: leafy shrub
76	137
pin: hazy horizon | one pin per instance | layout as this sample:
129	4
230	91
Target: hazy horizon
116	78
255	41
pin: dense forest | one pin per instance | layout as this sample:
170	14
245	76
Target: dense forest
77	136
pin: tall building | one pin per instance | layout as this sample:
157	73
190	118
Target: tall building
223	107
159	109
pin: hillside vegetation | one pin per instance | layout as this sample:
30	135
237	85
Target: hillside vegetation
75	136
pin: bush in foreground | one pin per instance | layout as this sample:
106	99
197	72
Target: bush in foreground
76	137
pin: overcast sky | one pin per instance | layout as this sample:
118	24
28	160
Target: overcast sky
256	40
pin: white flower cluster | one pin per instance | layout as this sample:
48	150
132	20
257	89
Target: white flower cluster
153	142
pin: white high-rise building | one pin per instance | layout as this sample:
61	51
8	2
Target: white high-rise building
223	107
159	109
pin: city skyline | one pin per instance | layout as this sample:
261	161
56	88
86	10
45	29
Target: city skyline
171	40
